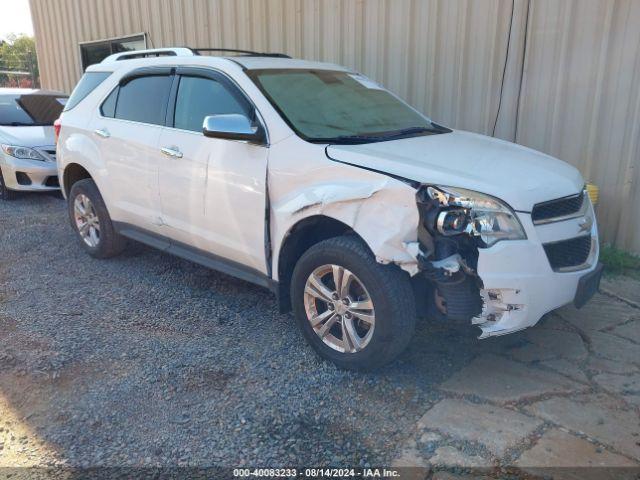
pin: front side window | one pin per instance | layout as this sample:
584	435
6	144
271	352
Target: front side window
336	106
30	110
200	97
144	99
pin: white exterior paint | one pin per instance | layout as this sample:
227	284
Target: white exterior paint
515	174
518	270
303	182
214	197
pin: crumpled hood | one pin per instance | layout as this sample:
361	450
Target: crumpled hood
518	175
28	136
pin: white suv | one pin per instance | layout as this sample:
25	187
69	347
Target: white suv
359	212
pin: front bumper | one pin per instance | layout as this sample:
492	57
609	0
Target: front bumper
29	175
519	284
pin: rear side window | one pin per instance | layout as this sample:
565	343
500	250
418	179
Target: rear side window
144	99
199	97
85	86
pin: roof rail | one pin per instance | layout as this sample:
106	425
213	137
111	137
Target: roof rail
183	52
242	52
153	52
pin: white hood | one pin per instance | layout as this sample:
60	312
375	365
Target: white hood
28	136
518	175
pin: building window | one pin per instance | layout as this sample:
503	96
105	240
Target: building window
95	52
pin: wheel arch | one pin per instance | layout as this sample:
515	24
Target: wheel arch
73	173
299	238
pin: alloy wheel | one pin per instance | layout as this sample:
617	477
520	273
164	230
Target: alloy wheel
87	221
339	308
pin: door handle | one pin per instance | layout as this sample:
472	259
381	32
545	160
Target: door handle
102	132
172	152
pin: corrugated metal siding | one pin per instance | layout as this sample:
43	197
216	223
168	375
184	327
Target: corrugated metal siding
577	99
580	100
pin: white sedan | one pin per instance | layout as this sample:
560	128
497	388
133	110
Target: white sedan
27	138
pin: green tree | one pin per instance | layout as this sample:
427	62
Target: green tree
18	54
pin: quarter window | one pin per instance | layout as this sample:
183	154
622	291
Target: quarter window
200	97
144	99
108	108
87	84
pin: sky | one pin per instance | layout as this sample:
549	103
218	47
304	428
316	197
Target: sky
15	17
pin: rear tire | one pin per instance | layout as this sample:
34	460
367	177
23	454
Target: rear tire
91	221
383	292
5	193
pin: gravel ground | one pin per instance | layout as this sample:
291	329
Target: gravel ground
150	360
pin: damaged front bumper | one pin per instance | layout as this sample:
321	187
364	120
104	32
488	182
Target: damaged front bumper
519	283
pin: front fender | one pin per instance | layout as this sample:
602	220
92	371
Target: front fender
380	209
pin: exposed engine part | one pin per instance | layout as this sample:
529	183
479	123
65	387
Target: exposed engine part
451	264
449	260
439	301
456	292
461	300
427	211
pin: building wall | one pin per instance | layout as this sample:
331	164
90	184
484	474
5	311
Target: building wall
559	76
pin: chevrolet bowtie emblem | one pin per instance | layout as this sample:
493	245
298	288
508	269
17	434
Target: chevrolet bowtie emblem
585	224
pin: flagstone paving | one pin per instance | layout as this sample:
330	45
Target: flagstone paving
565	393
604	418
495	428
499	379
561	449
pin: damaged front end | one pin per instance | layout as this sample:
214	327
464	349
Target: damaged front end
454	224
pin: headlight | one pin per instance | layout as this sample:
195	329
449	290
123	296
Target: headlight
476	214
21	152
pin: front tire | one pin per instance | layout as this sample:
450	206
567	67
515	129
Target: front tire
91	221
354	311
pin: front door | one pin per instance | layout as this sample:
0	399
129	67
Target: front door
212	191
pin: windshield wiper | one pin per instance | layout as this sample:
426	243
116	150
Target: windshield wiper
383	136
350	139
412	130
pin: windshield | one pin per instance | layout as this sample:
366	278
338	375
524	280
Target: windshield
340	107
34	109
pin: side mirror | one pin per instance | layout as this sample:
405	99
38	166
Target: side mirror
232	126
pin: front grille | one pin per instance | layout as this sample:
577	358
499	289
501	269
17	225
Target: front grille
557	209
568	253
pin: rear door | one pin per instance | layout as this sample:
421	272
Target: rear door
127	132
212	190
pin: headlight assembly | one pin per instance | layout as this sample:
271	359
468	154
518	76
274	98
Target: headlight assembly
474	213
21	152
